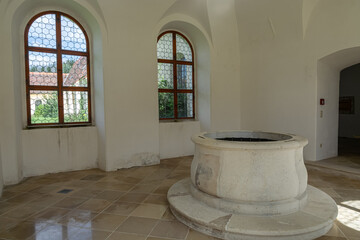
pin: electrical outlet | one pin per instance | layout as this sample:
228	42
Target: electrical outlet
321	145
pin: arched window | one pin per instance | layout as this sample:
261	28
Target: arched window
57	71
175	76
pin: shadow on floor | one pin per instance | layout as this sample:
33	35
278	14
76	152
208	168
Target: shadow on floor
349	146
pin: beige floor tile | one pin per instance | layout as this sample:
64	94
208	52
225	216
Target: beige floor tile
348	193
194	235
143	172
77	218
164	186
22	187
133	197
144	188
149	211
348	231
109	195
6	195
331	238
170	229
121	208
93	177
90	234
69	202
335	232
159	174
168	215
130	180
56	232
151	182
24	198
71	221
331	192
86	193
7	206
159	238
78	184
107	222
50	214
23	212
22	230
6	223
115	186
137	225
43	189
95	205
126	236
157	199
46	200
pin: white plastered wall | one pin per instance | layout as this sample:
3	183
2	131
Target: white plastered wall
285	71
40	151
277	92
333	41
217	71
175	137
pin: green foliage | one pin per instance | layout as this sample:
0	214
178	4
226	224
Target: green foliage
48	108
166	105
47	111
166	100
182	103
40	68
80	115
68	65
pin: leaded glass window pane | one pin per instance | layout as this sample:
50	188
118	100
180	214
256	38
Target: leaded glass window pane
165	47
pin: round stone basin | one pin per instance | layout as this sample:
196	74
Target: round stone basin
251	185
250	172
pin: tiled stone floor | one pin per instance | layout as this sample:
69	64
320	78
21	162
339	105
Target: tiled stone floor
131	204
347	162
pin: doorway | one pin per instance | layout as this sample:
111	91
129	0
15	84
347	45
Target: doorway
349	113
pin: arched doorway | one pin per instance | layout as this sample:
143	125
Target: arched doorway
349	112
329	128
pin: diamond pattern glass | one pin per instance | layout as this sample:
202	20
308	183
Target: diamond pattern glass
42	69
42	32
166	105
165	76
183	49
165	47
44	106
184	77
185	105
74	71
54	37
75	106
72	37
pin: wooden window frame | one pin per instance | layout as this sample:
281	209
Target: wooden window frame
59	88
175	62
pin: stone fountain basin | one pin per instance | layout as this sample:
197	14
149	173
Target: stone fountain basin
245	174
251	185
